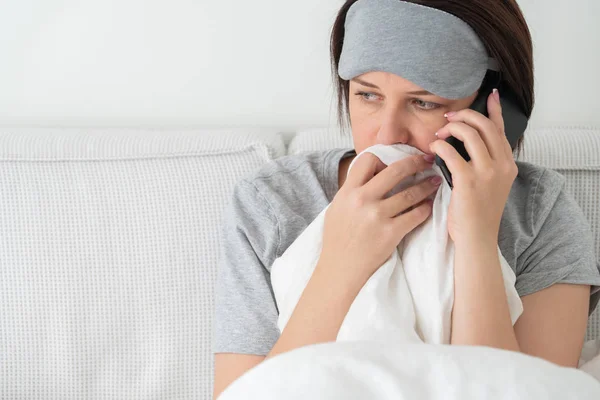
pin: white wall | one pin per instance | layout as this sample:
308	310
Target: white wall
237	62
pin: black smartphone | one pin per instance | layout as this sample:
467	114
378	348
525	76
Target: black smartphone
515	120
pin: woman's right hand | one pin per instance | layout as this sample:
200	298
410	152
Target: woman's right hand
362	228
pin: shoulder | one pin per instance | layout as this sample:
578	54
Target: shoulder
289	167
286	178
549	208
535	193
288	193
546	233
533	196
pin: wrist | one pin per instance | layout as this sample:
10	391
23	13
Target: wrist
478	240
475	253
343	279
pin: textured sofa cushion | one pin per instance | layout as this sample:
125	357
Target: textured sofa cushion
108	247
572	151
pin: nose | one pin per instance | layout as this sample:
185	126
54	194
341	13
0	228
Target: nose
394	128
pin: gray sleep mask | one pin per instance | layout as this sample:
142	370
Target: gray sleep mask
431	48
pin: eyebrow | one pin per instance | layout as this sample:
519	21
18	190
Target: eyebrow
416	92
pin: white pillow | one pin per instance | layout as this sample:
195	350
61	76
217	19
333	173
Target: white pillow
109	241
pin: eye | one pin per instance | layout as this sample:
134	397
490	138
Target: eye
426	105
364	96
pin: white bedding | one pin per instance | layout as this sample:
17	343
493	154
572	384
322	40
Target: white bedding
373	370
590	358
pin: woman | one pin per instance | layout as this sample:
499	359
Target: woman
496	201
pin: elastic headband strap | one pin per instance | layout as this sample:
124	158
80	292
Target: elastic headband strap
429	47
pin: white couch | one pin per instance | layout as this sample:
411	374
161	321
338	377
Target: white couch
109	241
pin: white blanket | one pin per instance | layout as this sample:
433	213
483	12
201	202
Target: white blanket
370	370
410	297
590	358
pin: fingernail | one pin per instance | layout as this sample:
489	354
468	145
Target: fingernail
429	158
496	95
450	114
436	180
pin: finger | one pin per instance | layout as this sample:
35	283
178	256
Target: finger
387	179
487	129
409	197
457	165
472	140
365	167
495	113
407	222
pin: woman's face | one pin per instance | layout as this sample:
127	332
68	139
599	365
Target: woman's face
387	109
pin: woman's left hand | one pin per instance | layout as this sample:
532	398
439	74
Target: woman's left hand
482	185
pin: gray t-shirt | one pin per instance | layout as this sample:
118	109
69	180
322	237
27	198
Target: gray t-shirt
544	236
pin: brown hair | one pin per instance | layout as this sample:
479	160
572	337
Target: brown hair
499	24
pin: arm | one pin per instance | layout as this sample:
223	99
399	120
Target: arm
553	322
480	315
230	366
320	311
317	318
561	250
